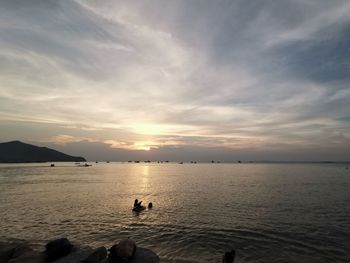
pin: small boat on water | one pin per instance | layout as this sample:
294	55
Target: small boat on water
84	165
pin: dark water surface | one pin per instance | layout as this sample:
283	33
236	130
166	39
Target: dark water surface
267	212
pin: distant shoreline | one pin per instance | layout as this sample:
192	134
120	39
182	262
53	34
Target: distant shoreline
185	162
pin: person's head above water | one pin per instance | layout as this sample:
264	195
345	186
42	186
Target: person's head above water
136	201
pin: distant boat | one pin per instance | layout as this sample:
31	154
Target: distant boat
84	165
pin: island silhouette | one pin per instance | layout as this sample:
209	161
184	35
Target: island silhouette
19	152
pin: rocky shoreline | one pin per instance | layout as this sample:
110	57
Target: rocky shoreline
63	251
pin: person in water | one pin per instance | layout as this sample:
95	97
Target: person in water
137	204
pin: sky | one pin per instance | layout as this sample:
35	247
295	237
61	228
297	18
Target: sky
178	79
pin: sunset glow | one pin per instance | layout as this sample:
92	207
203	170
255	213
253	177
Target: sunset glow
147	148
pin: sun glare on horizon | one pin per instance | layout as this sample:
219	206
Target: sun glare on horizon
147	148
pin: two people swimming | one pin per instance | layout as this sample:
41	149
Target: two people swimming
138	206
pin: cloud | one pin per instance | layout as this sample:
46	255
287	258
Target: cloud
223	74
64	139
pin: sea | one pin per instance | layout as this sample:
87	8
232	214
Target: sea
266	212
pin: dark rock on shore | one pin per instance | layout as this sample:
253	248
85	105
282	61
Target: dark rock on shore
78	254
229	256
58	248
127	251
19	252
144	255
124	251
96	256
62	251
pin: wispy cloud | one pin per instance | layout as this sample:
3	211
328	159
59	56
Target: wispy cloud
63	139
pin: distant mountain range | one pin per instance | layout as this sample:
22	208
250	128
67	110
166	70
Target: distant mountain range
19	152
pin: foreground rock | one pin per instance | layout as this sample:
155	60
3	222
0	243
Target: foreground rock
19	252
62	251
58	248
144	255
122	252
80	254
229	256
97	255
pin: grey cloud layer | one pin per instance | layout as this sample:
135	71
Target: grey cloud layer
267	73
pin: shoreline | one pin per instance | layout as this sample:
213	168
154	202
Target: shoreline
64	251
19	250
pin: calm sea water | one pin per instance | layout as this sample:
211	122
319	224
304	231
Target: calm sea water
267	212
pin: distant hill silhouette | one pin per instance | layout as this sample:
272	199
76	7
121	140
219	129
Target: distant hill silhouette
19	152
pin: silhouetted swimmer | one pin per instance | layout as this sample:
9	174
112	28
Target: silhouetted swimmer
150	205
137	204
138	207
229	257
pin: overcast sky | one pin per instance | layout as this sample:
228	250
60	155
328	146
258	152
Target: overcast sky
178	79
